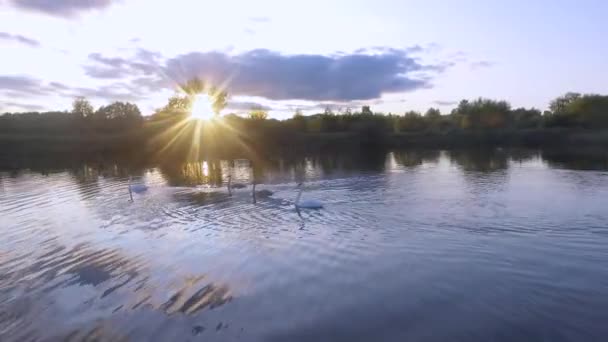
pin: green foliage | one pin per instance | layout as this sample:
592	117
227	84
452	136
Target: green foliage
560	104
576	110
258	114
410	122
483	114
527	118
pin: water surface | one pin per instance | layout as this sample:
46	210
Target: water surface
411	246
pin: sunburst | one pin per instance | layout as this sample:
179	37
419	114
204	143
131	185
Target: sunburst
202	108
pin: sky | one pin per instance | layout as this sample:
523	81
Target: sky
393	55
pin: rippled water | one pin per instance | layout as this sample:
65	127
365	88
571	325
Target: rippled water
411	246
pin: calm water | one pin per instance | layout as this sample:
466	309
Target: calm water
411	246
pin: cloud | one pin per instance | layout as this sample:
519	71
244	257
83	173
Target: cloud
17	106
62	8
25	86
445	103
235	105
113	92
481	64
362	75
144	63
19	39
358	76
345	79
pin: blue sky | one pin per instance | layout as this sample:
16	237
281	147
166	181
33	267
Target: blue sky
283	55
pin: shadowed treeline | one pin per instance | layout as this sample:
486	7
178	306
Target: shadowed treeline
172	133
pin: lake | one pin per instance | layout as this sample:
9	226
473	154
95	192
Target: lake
495	245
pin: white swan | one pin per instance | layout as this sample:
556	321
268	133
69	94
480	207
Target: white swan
261	193
136	188
306	204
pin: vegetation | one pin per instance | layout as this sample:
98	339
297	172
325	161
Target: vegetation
572	119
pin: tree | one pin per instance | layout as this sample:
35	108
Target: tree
81	107
299	121
559	105
432	113
119	110
589	111
411	121
527	118
433	118
118	115
483	113
366	110
258	114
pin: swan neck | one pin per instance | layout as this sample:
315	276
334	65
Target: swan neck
298	197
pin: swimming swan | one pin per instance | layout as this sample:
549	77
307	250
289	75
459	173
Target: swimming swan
306	204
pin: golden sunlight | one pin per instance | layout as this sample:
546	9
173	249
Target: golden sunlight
202	108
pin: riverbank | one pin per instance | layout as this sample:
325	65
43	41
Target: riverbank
147	144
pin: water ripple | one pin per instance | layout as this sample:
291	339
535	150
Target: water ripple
499	251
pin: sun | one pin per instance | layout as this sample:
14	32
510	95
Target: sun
202	108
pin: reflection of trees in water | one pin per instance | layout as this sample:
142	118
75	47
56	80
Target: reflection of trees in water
99	279
410	158
298	168
194	173
480	160
187	302
106	165
334	162
489	160
577	159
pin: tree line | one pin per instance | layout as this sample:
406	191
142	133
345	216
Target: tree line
169	128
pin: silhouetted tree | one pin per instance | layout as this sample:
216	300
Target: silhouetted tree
527	118
366	110
432	113
81	107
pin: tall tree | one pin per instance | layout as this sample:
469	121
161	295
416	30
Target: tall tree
432	113
366	110
81	107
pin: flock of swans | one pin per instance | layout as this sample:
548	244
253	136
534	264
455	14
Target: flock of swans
139	188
